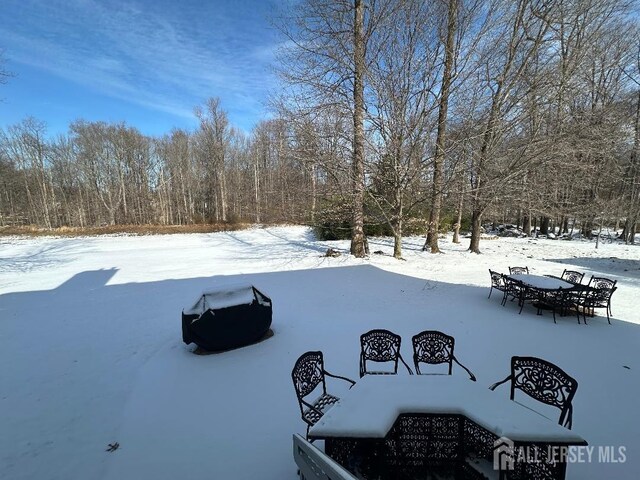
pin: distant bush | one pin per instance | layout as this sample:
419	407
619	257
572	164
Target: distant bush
333	221
341	230
332	230
448	220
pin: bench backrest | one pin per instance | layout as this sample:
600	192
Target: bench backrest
544	382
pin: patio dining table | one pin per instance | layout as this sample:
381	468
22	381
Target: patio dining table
541	282
397	426
545	292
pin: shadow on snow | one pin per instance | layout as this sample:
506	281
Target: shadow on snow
93	363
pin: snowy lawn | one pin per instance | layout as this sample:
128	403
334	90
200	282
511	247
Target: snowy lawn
91	350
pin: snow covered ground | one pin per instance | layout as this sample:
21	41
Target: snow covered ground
91	350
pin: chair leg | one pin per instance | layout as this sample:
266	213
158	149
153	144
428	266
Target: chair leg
504	298
490	292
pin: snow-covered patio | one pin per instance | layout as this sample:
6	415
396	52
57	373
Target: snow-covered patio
91	349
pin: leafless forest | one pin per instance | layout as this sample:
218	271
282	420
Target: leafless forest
392	116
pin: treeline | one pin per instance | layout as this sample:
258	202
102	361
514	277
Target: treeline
108	174
393	116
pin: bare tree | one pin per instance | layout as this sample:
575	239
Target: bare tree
25	144
520	31
438	160
403	78
359	42
324	67
177	180
212	140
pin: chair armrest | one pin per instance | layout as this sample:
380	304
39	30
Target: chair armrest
472	377
497	384
340	378
405	364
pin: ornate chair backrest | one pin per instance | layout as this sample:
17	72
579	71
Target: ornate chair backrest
544	382
572	276
432	347
379	346
602	283
518	270
599	296
497	280
307	374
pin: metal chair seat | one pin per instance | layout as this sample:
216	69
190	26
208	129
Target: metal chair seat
313	414
308	374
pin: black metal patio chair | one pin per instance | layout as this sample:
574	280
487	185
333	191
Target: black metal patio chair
518	290
597	295
544	382
563	300
512	288
308	374
434	347
572	276
497	282
518	270
380	346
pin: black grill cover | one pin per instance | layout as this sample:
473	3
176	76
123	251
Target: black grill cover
227	318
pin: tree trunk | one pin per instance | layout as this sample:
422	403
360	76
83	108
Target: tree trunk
438	161
256	188
544	226
474	245
313	193
456	227
397	240
223	192
526	225
634	196
397	225
357	232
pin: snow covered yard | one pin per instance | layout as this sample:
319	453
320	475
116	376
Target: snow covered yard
91	350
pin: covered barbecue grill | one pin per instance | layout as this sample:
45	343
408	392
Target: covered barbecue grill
226	318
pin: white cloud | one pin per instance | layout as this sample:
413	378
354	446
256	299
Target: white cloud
168	60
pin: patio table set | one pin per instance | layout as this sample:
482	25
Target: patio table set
392	425
562	294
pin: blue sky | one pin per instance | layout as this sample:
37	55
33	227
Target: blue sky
145	62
